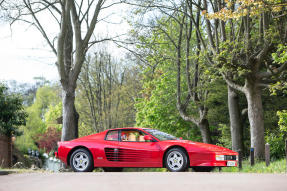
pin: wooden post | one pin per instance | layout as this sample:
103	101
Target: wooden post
219	169
267	154
251	156
239	159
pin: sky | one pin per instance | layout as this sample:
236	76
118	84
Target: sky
24	53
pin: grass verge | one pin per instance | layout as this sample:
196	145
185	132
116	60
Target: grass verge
278	166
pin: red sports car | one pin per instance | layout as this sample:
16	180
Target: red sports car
115	149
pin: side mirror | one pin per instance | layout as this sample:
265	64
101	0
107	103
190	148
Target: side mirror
180	138
147	138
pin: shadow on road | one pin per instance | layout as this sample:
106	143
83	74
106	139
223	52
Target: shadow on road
5	172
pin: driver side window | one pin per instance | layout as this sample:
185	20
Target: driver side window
132	136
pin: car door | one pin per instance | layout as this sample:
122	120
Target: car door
108	156
134	151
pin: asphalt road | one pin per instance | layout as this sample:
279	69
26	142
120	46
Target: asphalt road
138	181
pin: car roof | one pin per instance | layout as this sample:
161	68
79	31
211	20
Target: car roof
123	128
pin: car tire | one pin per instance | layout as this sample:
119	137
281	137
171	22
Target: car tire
81	161
112	169
202	168
176	160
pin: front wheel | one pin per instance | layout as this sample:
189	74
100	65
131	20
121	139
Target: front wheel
81	161
176	160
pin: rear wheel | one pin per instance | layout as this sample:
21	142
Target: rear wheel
81	161
176	160
112	169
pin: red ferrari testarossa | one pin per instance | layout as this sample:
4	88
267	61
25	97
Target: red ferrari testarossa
115	149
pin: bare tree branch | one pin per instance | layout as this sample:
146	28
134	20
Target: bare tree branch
39	26
234	85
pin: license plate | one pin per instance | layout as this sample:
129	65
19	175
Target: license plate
231	163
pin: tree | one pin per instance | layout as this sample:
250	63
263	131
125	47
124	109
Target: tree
157	107
172	39
12	113
244	54
77	21
107	90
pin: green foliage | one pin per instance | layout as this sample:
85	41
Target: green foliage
12	114
282	121
46	97
157	109
225	136
53	114
217	103
25	141
276	138
277	144
278	166
280	56
41	114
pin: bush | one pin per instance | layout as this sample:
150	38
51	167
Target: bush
277	145
276	139
48	140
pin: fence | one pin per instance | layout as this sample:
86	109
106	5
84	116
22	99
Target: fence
267	156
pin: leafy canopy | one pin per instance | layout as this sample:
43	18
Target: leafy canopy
12	113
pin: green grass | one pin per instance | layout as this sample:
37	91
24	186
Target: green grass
278	166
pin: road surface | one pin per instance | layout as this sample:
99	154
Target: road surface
142	181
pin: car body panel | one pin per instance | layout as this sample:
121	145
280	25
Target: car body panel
107	153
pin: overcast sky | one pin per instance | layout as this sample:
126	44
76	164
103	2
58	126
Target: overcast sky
24	53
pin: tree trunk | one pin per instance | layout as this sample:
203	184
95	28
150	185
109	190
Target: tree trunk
204	130
255	115
235	120
5	151
70	116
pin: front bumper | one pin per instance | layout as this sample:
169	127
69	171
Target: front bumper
215	163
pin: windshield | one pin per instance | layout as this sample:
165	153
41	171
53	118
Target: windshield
160	135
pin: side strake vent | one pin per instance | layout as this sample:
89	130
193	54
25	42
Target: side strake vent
126	155
111	154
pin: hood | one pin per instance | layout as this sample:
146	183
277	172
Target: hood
202	146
